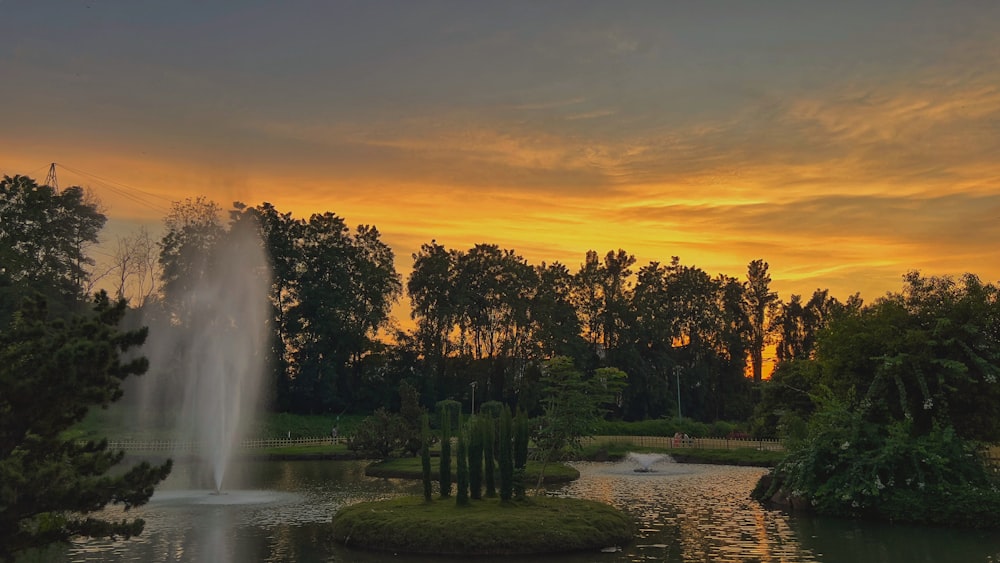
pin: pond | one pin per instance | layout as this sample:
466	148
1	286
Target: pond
282	511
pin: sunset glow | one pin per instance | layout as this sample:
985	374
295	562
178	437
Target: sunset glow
843	143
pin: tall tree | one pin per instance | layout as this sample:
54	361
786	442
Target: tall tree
51	373
431	289
601	296
760	303
44	237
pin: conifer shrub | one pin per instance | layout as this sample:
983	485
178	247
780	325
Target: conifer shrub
521	430
444	470
505	456
462	477
489	449
476	458
425	455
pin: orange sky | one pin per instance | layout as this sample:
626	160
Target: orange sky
844	143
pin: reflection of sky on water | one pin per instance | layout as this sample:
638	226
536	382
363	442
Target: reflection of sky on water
692	513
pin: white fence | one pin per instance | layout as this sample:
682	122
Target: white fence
662	442
187	445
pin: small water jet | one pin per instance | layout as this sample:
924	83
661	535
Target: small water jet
646	461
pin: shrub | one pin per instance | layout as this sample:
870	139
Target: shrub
425	455
462	479
851	466
444	471
378	435
476	458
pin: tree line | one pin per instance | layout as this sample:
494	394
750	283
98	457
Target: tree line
484	319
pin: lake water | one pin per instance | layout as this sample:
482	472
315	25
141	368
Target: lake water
282	510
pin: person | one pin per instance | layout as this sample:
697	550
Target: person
333	434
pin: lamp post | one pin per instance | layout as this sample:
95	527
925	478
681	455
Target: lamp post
473	385
677	374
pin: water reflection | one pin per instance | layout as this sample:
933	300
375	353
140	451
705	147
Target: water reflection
692	513
684	513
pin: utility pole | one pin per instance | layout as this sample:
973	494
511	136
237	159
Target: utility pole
50	178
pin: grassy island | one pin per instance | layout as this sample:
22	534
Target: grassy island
484	527
409	468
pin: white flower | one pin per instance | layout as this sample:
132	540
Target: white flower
845	445
878	483
928	404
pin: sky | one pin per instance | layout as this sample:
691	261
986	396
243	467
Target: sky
845	143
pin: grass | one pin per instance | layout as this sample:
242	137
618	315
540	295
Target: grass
484	527
410	468
118	422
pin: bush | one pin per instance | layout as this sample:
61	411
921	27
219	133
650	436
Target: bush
850	466
378	435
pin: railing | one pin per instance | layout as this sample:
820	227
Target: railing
190	445
670	442
663	442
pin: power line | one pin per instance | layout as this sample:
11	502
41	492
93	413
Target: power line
131	193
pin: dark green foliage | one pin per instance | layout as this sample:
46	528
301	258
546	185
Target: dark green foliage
490	527
51	372
410	415
491	408
410	468
378	435
444	468
332	292
505	456
573	403
425	455
451	409
786	399
906	387
853	467
521	432
489	448
476	457
462	457
44	235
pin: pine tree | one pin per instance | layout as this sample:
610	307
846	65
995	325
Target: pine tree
51	372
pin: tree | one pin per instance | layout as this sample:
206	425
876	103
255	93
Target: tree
906	391
134	268
929	354
572	405
378	435
410	415
44	235
51	373
760	302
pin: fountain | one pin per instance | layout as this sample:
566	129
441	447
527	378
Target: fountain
207	353
645	461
